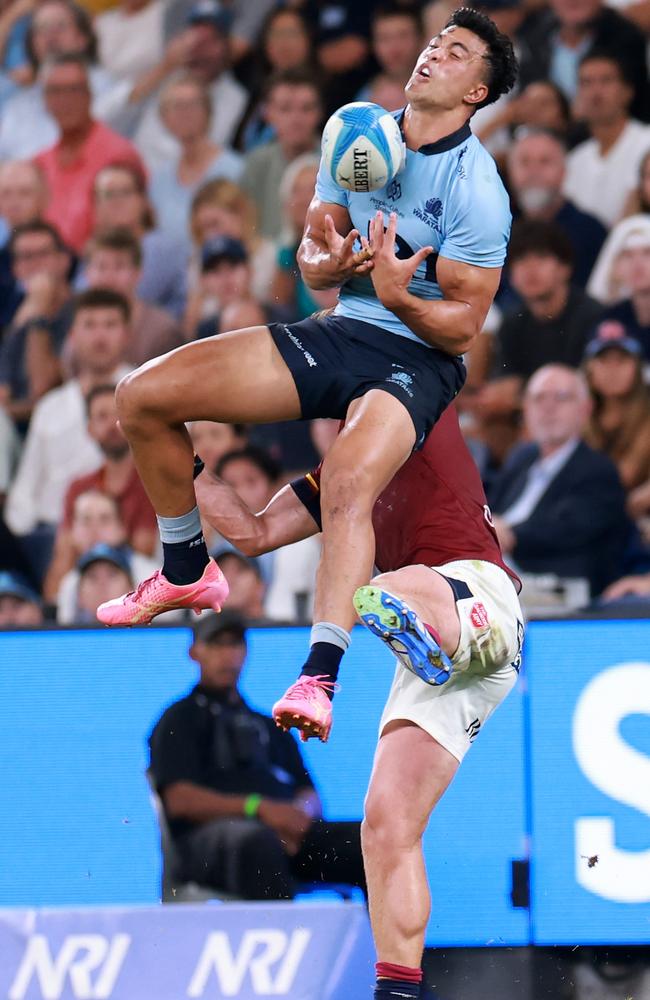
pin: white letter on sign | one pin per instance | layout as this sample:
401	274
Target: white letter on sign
618	770
231	969
80	955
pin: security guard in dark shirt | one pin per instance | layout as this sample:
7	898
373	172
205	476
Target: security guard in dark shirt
240	803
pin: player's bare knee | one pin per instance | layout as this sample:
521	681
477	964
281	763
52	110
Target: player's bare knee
137	398
386	828
346	492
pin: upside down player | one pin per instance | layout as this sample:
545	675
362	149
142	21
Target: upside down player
387	360
450	600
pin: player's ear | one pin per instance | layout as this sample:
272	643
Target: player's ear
476	94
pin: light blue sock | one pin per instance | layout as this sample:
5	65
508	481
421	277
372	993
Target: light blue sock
180	529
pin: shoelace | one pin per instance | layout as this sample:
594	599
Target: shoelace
139	590
297	690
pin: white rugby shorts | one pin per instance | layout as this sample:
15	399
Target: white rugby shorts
486	662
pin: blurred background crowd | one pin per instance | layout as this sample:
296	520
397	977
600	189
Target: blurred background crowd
157	158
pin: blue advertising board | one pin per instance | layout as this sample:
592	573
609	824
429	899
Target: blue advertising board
239	950
77	824
589	753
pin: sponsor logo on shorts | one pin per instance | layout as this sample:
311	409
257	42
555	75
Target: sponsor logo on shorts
309	358
516	663
403	380
479	616
473	730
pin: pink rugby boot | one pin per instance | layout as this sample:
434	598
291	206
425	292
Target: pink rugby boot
156	594
307	707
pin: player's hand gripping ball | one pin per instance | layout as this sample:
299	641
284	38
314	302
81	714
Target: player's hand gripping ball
362	147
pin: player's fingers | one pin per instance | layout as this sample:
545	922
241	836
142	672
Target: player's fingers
330	230
421	255
391	229
365	268
378	230
348	242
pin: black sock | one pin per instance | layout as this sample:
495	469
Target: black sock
396	989
184	562
323	661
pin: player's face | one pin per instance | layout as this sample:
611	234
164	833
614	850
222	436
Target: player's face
450	71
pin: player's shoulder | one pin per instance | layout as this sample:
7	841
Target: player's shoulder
476	177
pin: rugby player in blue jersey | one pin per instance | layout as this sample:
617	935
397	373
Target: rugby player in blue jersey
418	263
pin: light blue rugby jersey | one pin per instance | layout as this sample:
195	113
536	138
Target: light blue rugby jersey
448	196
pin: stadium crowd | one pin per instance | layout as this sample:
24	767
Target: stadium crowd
157	158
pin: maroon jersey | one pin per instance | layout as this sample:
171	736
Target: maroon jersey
434	510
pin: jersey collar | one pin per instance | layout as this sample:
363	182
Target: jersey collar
441	145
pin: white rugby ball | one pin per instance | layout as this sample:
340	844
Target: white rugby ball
362	147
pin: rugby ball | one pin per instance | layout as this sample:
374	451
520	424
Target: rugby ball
362	147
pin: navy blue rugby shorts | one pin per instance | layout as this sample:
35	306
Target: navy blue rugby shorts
334	360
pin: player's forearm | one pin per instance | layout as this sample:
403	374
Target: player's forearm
284	520
450	326
226	512
318	269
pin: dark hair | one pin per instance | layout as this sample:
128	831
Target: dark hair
246	561
101	298
391	8
256	456
604	55
139	179
118	239
83	24
291	78
37	226
99	390
500	55
559	95
547	239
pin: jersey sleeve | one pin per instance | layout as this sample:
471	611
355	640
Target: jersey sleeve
307	489
328	191
478	227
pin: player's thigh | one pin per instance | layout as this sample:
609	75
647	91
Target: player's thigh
235	377
430	596
376	440
410	773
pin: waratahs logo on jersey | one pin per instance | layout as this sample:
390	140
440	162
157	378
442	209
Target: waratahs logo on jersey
432	212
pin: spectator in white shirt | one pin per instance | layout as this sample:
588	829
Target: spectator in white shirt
203	50
131	37
58	447
58	27
602	171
